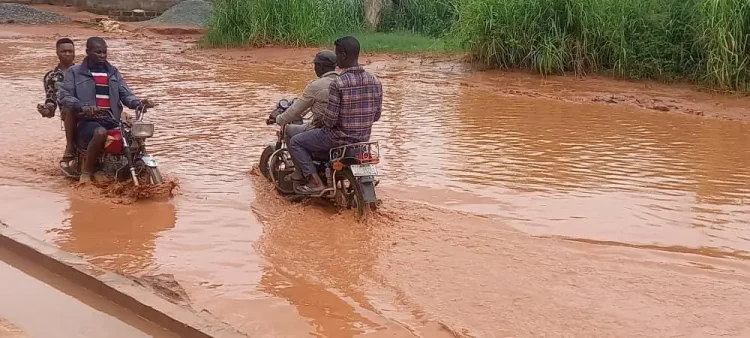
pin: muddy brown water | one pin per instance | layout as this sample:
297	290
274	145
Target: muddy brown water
654	204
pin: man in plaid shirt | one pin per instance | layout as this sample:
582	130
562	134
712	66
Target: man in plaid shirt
355	101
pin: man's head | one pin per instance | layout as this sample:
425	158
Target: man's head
347	52
66	51
96	50
325	61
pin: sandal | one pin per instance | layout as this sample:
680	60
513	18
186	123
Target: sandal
68	155
67	169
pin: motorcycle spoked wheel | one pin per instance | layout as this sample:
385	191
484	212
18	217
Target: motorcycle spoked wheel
352	194
147	175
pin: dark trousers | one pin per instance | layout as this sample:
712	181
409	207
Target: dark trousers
304	144
290	130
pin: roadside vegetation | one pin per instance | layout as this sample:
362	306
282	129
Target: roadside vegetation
703	41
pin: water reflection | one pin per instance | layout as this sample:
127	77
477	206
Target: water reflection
119	238
321	270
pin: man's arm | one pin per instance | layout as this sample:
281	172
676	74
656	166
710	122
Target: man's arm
49	91
67	94
299	106
126	95
378	102
331	114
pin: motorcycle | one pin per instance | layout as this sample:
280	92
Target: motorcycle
349	171
124	156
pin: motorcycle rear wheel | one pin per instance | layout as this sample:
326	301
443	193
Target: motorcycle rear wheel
354	193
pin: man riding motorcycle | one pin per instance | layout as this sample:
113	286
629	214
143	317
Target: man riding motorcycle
93	90
314	97
354	103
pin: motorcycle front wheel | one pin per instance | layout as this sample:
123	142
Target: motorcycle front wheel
263	164
148	175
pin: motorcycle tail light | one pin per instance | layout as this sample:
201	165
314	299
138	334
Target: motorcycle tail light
142	130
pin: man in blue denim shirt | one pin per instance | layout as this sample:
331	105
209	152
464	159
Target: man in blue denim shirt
93	90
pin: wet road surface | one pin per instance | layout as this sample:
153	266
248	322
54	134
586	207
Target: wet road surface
507	166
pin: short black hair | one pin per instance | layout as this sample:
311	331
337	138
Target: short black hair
349	44
64	41
94	40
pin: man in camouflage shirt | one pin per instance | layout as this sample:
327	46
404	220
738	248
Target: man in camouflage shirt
52	82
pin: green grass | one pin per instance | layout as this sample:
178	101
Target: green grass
433	18
304	23
704	41
402	42
285	22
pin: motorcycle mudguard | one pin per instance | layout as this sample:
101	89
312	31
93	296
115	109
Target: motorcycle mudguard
367	187
149	161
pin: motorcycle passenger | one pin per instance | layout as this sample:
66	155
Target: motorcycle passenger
355	101
314	97
92	90
66	54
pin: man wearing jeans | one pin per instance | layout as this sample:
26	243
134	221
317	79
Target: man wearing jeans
314	98
355	102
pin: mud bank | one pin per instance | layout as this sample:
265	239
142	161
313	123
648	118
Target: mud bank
496	166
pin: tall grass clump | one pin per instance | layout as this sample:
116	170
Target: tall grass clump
428	17
723	42
284	22
700	40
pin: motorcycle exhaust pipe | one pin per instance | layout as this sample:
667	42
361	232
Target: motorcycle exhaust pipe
135	177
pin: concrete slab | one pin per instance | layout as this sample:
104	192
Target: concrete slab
117	289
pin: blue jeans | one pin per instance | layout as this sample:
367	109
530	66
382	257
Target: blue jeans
304	144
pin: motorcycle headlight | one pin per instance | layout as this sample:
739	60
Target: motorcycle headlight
142	130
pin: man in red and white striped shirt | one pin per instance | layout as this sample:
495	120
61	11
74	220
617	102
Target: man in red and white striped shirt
95	91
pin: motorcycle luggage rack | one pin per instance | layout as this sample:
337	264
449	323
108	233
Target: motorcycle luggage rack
364	152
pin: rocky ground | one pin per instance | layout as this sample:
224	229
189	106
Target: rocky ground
22	14
186	13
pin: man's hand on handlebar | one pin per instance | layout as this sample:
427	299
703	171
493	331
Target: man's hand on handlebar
147	103
271	119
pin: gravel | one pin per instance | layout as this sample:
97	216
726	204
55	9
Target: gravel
17	13
185	13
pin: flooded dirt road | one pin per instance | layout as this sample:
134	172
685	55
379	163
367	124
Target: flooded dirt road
640	217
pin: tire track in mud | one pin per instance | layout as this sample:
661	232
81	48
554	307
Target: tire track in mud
466	275
325	251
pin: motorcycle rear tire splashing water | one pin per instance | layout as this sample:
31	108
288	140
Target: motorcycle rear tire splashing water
350	172
124	157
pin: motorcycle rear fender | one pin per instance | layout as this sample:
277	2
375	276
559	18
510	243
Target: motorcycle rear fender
367	187
149	161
